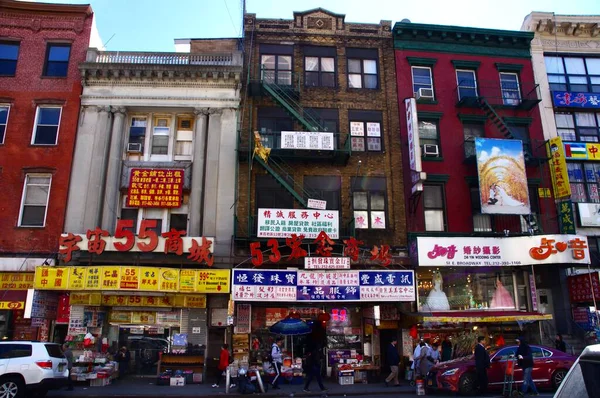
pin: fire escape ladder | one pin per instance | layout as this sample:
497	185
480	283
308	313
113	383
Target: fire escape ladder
273	168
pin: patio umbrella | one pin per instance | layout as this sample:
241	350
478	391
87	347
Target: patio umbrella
291	327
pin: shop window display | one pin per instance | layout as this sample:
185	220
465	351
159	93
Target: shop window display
459	289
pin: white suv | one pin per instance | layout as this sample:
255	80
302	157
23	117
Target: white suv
31	367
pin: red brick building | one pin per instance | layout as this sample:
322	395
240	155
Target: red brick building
41	46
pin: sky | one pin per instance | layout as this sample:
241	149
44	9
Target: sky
152	25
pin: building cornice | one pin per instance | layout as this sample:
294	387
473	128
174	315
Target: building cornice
27	7
92	99
562	25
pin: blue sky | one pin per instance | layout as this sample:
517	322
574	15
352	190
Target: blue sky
151	25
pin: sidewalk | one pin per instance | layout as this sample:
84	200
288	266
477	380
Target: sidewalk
146	387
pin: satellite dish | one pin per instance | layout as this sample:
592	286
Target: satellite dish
405	20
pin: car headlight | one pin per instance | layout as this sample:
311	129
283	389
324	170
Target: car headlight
450	372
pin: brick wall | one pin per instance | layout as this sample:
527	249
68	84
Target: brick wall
217	46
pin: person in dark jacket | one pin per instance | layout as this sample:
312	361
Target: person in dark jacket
69	355
447	349
482	363
559	343
313	368
123	359
393	359
525	361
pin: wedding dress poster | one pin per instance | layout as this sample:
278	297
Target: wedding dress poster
502	177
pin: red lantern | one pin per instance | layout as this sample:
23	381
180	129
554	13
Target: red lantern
413	332
324	317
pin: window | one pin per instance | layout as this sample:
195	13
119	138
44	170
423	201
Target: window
422	79
9	54
47	120
271	122
509	84
4	109
362	73
34	203
366	131
319	71
270	194
327	188
165	218
520	131
467	83
54	351
578	126
429	134
160	136
178	221
8	351
573	73
481	222
506	353
184	138
433	207
277	69
57	60
584	179
369	202
137	134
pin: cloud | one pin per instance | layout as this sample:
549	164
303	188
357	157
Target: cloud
484	156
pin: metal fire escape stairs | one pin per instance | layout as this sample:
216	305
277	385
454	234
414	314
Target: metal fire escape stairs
287	96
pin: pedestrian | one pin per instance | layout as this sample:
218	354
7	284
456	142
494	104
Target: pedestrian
559	343
313	368
222	366
447	349
276	361
69	356
424	363
123	359
393	360
416	354
482	363
525	362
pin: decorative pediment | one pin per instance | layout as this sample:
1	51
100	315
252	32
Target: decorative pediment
319	19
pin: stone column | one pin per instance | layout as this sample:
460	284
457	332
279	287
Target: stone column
110	207
209	224
197	188
98	171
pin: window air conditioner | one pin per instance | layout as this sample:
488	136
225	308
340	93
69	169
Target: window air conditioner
134	147
431	150
425	93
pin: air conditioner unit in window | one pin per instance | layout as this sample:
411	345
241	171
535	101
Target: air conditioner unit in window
425	93
134	147
431	150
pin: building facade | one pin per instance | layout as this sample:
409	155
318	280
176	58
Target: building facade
41	46
319	182
477	180
566	59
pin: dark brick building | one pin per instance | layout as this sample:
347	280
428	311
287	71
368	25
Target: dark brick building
41	46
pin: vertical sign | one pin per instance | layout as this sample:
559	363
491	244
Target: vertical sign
566	217
558	168
242	325
414	145
533	290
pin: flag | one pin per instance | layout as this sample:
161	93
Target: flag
575	151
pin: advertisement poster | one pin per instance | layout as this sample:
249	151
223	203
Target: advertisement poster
583	288
282	223
502	179
159	188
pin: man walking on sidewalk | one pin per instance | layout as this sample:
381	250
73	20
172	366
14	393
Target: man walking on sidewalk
393	359
482	363
277	361
525	361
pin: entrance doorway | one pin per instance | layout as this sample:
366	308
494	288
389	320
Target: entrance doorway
216	338
386	338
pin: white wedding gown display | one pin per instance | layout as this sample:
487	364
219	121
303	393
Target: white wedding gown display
505	199
437	300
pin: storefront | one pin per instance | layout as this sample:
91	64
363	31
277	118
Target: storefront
353	315
486	286
13	296
149	310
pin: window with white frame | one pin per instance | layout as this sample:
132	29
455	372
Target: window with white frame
434	207
573	73
319	71
578	126
161	137
467	83
161	132
47	122
137	134
369	202
4	110
421	78
34	203
166	219
509	84
277	69
366	130
184	138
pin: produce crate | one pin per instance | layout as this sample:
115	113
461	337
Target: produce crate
99	382
346	380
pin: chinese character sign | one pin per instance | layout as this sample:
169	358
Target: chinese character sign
566	217
268	285
162	188
563	99
558	168
282	223
16	280
582	286
513	251
502	180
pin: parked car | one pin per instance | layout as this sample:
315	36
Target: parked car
582	381
549	369
31	368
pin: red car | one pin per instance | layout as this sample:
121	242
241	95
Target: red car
549	369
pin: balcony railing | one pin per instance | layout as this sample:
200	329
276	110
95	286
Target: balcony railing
162	58
514	224
524	95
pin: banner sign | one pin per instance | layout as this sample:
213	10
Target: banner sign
502	179
581	287
493	252
563	99
293	285
583	317
309	140
558	168
566	218
161	188
282	223
242	321
582	151
327	262
16	280
414	145
132	279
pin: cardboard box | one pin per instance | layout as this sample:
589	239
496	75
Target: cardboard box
197	378
177	381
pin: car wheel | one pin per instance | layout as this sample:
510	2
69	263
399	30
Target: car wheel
11	388
557	377
467	384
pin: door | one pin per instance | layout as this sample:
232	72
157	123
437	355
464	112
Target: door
386	336
216	338
540	367
498	364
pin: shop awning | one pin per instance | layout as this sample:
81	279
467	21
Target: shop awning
482	316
